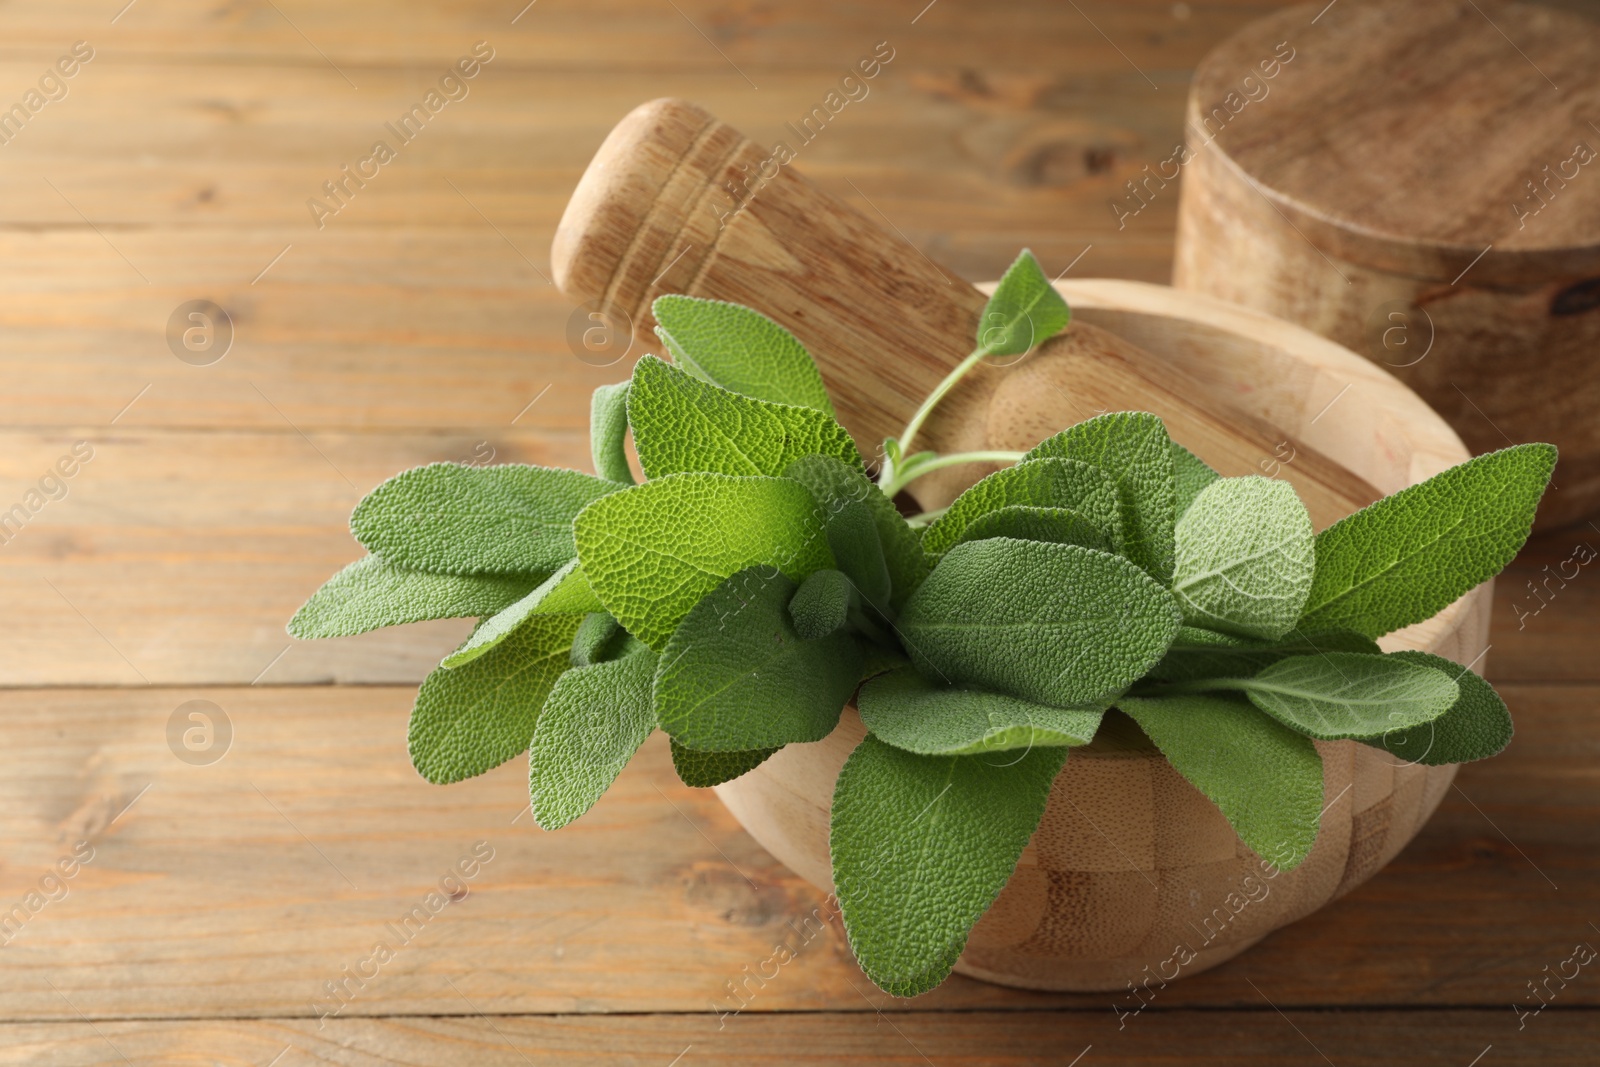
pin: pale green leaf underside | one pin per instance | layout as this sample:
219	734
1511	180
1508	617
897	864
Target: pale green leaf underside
735	675
1244	558
681	423
512	519
1048	483
608	431
372	593
906	710
739	349
652	551
472	719
1265	778
921	847
595	719
566	592
1342	695
1055	624
703	770
1406	557
1477	726
1133	448
1024	311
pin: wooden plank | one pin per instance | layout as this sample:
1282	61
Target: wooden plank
993	1039
240	887
189	551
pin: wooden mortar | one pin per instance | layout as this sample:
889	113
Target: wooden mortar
654	213
1131	859
1411	184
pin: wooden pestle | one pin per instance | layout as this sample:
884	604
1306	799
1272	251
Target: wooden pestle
676	201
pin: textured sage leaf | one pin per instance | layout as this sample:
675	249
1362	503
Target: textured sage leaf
472	719
1025	310
1058	525
878	659
705	769
736	676
853	539
821	604
566	592
652	551
372	593
1134	449
1244	558
681	423
1055	624
906	710
593	722
837	485
1062	484
1477	726
1406	557
599	638
1342	695
740	350
1197	653
608	431
921	847
1190	474
1265	778
450	519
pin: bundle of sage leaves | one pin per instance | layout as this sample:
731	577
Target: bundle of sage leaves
757	581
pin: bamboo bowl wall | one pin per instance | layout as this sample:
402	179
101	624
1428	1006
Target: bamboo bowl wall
1130	860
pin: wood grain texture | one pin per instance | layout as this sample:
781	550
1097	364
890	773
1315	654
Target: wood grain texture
414	326
1449	231
644	904
677	201
1257	1038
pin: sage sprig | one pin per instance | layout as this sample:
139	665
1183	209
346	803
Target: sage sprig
1107	582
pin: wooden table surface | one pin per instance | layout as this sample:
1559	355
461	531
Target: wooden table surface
217	894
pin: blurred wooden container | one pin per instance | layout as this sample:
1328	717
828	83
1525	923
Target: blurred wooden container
1407	179
1130	859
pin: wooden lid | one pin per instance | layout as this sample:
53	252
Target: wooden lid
1405	135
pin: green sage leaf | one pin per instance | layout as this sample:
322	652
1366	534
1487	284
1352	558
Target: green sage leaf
1348	695
608	431
566	592
921	847
450	519
1054	624
1408	556
1133	448
1477	726
473	719
1060	484
736	676
1024	312
593	722
906	710
652	551
1265	778
702	770
681	423
1244	558
740	350
372	593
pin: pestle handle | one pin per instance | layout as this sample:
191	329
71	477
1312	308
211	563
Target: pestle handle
676	201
